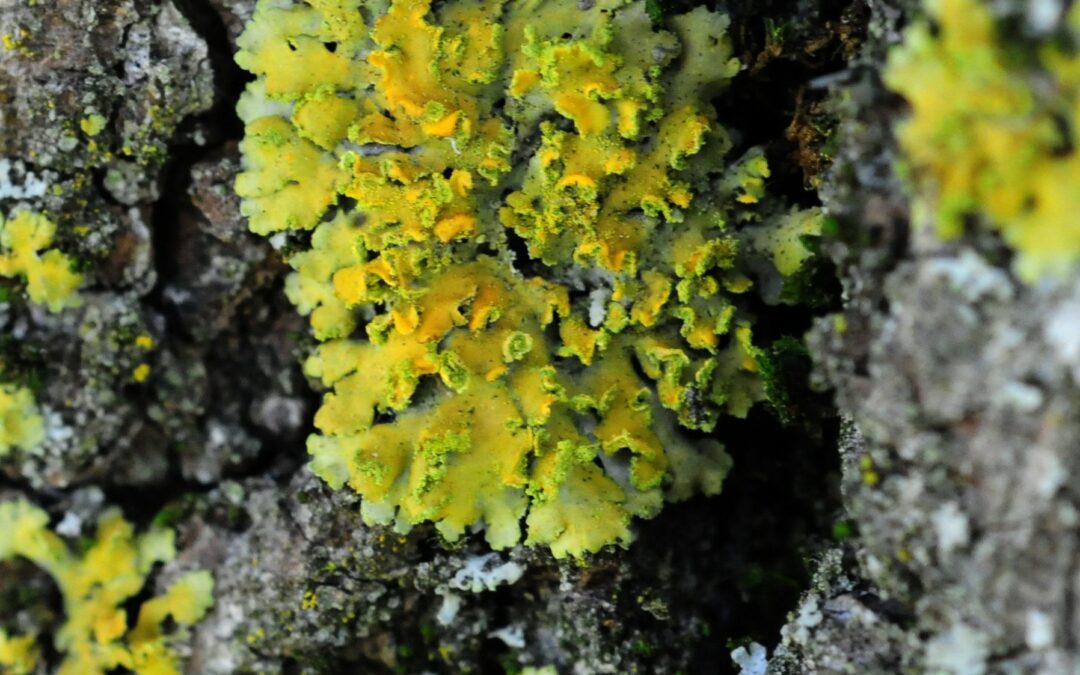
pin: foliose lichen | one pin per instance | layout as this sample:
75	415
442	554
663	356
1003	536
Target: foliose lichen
25	241
26	253
96	585
21	424
991	134
519	240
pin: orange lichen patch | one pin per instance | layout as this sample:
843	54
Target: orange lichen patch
409	47
444	126
737	385
335	245
657	290
458	226
523	81
584	515
702	331
629	118
471	381
578	76
476	43
620	160
579	340
682	133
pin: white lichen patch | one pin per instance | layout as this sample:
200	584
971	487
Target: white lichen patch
962	650
972	276
951	527
751	661
17	182
1039	630
479	573
1020	396
483	572
1043	15
512	636
1062	332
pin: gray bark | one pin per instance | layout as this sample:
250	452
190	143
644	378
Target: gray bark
957	386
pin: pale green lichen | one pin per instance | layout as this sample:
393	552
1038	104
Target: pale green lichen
96	585
93	124
21	424
992	135
416	145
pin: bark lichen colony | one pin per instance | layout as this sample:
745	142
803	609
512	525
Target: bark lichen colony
475	381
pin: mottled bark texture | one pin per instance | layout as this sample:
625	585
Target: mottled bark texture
957	386
116	119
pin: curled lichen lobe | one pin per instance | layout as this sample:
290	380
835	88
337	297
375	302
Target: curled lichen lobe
526	253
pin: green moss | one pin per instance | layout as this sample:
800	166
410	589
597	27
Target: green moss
642	648
842	530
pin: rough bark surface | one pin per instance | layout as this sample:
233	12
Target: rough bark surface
211	441
957	386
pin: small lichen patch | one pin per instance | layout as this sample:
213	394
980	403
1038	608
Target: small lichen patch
141	373
16	42
999	144
97	586
92	125
21	424
18	654
25	240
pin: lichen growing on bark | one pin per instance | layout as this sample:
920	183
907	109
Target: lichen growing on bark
21	425
551	383
97	584
990	133
25	241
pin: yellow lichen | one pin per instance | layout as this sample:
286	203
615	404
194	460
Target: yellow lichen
21	425
16	42
18	654
141	372
96	586
784	239
1000	143
25	238
92	125
469	385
